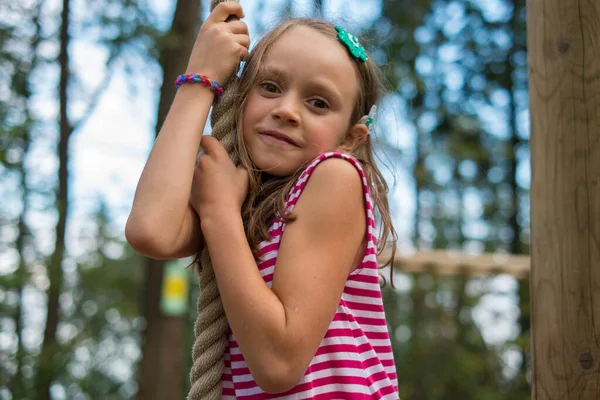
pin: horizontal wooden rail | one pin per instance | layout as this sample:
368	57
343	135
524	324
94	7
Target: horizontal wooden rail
443	262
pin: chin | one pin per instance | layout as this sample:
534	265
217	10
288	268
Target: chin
276	167
277	170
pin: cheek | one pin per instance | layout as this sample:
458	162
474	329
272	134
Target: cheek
246	123
249	115
327	136
253	106
321	141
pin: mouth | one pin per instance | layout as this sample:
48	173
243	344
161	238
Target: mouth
280	137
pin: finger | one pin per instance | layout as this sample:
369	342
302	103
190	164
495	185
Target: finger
236	27
212	147
244	54
243	40
223	10
200	154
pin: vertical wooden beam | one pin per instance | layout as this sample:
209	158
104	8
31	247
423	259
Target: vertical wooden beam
564	88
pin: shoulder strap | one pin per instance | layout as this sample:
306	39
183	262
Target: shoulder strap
301	182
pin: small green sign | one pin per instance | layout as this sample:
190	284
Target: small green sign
174	296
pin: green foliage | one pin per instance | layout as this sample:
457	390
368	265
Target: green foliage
98	335
439	351
458	69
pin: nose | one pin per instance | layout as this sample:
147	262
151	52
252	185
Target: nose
287	110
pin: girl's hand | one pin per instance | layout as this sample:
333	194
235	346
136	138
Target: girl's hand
220	45
219	187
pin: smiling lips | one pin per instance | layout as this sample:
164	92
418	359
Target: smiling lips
279	137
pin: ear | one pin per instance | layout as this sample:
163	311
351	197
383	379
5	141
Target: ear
356	136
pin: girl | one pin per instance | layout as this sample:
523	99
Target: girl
291	230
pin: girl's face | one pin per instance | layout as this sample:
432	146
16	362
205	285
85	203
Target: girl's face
301	103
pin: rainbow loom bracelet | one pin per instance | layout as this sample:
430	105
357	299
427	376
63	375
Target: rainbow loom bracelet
201	79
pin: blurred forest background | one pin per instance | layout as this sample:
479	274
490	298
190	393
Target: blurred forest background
83	317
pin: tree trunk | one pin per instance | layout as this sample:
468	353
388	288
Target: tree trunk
319	8
17	385
516	247
46	368
418	170
161	368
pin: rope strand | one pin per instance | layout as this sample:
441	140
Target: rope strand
210	328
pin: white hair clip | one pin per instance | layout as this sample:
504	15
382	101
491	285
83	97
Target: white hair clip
368	120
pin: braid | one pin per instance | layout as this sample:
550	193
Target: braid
211	325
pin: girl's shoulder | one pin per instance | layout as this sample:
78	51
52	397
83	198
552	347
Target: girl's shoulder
332	170
340	160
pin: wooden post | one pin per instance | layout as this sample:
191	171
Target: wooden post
564	90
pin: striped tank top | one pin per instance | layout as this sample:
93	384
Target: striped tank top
354	359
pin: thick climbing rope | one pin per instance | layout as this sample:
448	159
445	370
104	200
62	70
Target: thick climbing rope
211	326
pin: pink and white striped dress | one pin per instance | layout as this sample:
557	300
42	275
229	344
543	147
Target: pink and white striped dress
355	359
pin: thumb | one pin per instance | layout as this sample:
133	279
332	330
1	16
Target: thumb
211	145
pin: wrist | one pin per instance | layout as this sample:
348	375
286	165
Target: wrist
203	71
221	227
204	80
219	216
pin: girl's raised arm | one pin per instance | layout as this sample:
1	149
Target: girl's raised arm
162	224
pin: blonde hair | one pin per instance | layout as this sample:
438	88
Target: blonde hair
267	194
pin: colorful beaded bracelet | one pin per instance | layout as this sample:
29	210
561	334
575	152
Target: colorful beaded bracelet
201	79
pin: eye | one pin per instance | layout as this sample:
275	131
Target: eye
269	87
319	103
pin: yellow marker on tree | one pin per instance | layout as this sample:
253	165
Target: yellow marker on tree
174	295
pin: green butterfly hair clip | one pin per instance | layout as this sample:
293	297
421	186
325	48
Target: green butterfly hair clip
352	44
